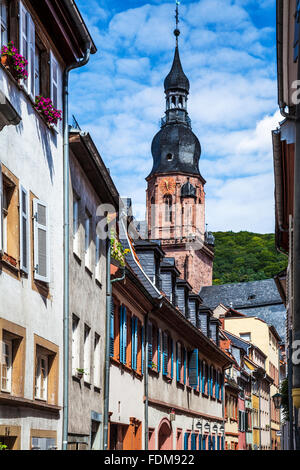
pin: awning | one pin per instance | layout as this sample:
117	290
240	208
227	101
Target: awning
249	365
8	114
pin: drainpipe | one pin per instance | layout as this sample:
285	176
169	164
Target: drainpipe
146	383
75	65
296	264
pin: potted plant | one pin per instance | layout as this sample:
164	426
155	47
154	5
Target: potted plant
118	253
2	446
45	107
15	62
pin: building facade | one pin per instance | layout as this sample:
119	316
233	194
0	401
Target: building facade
31	222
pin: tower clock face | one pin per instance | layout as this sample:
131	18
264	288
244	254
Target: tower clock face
167	186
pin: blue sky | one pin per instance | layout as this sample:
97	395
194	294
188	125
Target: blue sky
228	52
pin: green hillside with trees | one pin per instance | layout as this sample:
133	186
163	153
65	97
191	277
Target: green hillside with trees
246	256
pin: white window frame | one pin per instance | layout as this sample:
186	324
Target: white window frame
45	228
3	25
38	376
97	363
87	354
8	344
24	220
75	344
55	82
29	50
37	71
76	202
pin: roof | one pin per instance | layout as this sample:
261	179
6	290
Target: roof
242	295
238	342
177	79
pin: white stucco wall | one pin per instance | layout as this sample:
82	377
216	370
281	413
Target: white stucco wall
34	154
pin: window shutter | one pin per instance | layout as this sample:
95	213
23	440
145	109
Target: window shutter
178	362
31	57
165	354
41	241
150	347
209	442
134	343
112	328
24	31
214	443
223	440
203	377
211	381
186	441
24	234
194	437
172	358
200	442
121	333
193	369
158	350
124	334
54	80
217	385
1	210
208	379
222	386
143	352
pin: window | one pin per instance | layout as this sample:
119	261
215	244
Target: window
134	342
27	48
168	209
41	241
43	443
98	259
75	344
97	353
3	23
123	334
41	377
179	374
87	353
245	336
24	227
76	201
54	72
167	359
88	233
37	67
193	369
6	368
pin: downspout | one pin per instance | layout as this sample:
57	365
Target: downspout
66	320
146	383
296	264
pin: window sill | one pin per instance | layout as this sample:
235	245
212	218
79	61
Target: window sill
20	401
97	389
153	371
119	364
28	97
77	257
99	284
88	271
167	379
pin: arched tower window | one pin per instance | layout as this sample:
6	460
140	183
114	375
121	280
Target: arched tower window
168	209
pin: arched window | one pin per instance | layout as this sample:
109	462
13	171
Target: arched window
168	209
173	102
180	102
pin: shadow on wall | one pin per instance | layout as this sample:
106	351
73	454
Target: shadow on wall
46	137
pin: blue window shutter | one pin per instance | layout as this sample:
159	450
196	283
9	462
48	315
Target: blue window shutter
223	443
134	343
121	333
204	439
186	441
209	442
150	349
178	362
193	369
142	349
203	377
158	350
214	443
217	384
112	326
125	336
200	441
222	387
208	379
194	437
200	375
165	354
172	358
184	368
211	382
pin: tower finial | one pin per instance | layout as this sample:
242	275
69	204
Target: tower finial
177	31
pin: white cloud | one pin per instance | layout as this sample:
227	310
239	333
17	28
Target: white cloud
119	98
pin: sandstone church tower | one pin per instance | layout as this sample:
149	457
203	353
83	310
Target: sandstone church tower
175	192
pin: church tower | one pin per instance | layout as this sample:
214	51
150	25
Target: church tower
175	191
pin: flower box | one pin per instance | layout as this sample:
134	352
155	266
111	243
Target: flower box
14	62
45	107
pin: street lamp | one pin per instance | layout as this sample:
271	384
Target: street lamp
215	428
277	399
199	426
207	427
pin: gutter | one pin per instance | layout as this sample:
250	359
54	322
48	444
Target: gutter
66	166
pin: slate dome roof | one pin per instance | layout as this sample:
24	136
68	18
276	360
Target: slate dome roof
176	79
175	148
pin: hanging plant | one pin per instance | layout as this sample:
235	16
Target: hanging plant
117	251
15	62
45	107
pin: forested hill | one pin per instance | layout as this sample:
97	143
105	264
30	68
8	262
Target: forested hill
245	257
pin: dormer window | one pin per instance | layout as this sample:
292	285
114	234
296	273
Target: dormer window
169	157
